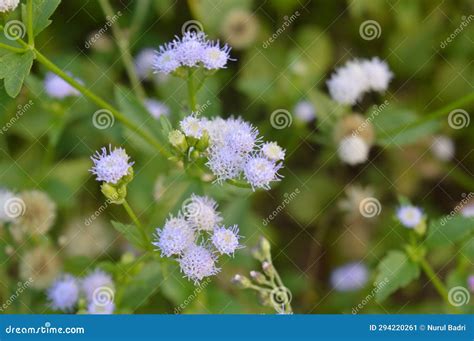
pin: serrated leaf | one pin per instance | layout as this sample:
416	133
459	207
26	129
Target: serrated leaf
449	230
395	271
13	70
130	232
42	11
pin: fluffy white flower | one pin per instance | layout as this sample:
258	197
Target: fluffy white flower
8	5
259	172
226	240
176	236
353	150
197	263
5	198
272	151
192	126
410	216
348	83
201	213
377	73
64	293
443	148
305	111
215	57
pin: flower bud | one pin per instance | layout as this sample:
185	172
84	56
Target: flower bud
241	282
268	269
261	252
178	140
113	194
127	178
421	227
258	277
264	298
203	142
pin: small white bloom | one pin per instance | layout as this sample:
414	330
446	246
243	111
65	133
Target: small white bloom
348	83
226	240
443	148
201	213
410	216
8	5
56	87
273	151
378	74
192	126
353	150
468	211
165	59
215	57
197	263
305	111
5	198
175	237
156	108
144	62
260	172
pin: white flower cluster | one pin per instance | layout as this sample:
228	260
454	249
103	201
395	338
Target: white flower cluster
235	150
8	5
196	238
349	83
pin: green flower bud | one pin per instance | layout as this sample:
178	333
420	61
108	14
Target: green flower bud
262	251
127	178
241	282
113	194
421	227
264	298
178	140
203	142
268	269
258	277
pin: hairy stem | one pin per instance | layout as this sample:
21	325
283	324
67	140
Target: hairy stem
191	90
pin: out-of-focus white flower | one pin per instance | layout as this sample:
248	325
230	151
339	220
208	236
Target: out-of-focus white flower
156	108
410	216
378	74
349	277
8	5
305	111
353	150
64	293
443	147
348	83
56	87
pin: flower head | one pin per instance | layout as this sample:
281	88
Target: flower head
443	148
377	73
94	281
259	172
225	162
166	60
156	108
144	62
305	111
110	166
192	126
348	83
64	293
272	151
8	5
410	216
56	87
226	240
190	48
353	150
174	237
240	28
201	213
349	277
215	57
197	262
41	264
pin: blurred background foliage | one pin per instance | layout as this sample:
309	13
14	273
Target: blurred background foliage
49	146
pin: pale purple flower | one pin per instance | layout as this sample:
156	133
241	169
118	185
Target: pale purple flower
97	308
198	262
156	108
215	57
176	236
470	283
225	162
144	62
305	111
410	216
95	281
110	166
349	277
166	60
201	213
226	240
190	48
64	293
56	87
260	172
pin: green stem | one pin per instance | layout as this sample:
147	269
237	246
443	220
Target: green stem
436	114
191	90
101	103
238	183
123	45
12	48
137	223
29	23
139	16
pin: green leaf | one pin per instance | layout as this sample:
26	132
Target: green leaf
449	230
42	10
144	285
130	232
394	271
13	69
